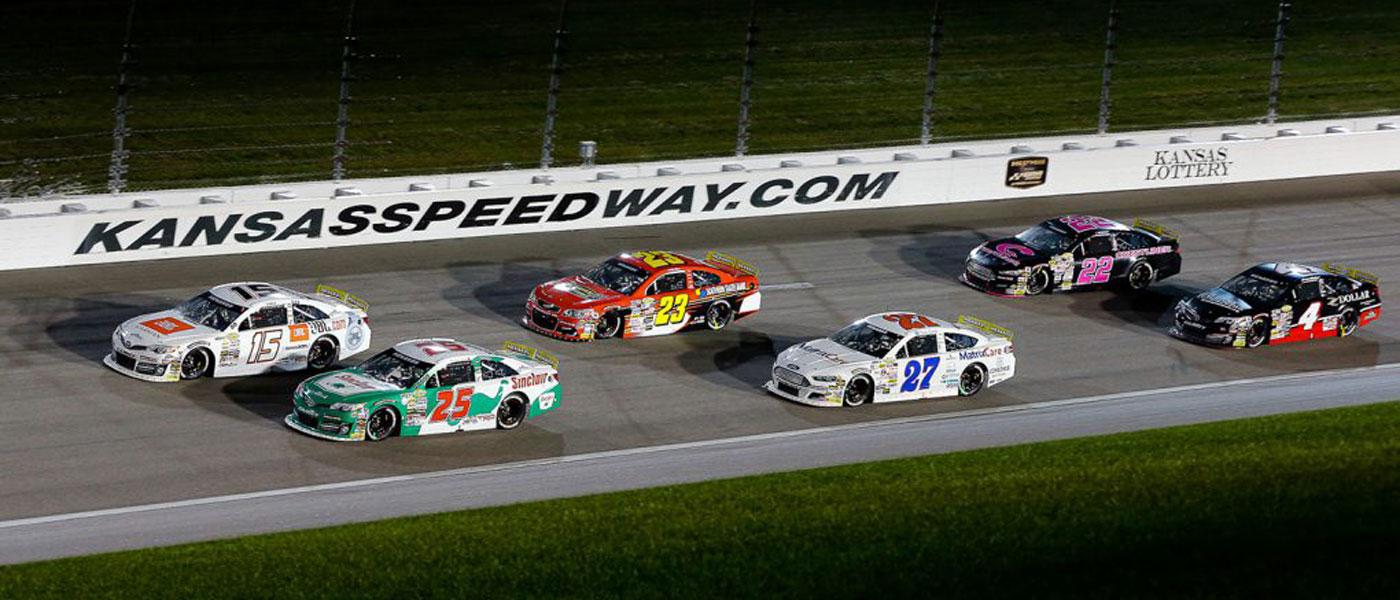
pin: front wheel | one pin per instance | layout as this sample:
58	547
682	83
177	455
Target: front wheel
972	380
195	364
511	413
859	391
609	325
381	424
1258	333
719	315
1039	282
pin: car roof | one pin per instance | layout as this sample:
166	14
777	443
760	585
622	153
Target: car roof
1099	223
1287	270
229	293
418	350
634	259
892	322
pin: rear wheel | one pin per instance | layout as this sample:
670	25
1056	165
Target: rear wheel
860	390
511	413
381	424
1039	282
972	380
195	364
1140	275
719	315
609	325
1349	323
1258	333
322	354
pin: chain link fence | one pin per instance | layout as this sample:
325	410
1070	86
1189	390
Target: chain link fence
249	93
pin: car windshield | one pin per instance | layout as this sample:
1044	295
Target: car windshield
395	369
1046	239
209	311
617	276
866	339
1256	290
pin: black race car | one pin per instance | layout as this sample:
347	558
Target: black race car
1071	252
1274	303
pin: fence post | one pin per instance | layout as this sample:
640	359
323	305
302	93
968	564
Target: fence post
741	144
116	171
1276	74
1110	48
342	117
551	106
935	50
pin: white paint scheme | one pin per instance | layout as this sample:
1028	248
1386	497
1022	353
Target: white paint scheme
38	234
825	368
164	338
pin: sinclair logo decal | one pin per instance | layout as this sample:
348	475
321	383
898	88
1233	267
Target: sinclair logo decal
368	220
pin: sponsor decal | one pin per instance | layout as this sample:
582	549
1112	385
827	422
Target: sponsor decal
716	290
1027	172
1347	298
300	333
167	325
1190	163
368	220
1143	252
1009	252
523	381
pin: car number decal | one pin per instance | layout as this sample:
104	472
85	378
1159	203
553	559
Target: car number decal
671	309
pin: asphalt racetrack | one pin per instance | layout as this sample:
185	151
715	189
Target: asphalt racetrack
79	437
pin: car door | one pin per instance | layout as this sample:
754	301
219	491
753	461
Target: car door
451	395
264	338
665	304
920	362
1308	308
1094	259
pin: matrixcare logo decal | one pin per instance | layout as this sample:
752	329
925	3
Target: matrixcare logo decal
366	220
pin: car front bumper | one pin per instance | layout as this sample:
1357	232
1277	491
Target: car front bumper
811	396
339	427
145	368
556	325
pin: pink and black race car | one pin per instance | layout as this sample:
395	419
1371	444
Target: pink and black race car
1074	252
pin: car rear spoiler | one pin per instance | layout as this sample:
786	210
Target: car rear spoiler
1161	231
720	258
1356	274
343	296
984	326
529	353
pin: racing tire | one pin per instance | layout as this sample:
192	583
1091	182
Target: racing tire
322	354
1038	282
196	363
511	413
1258	333
972	380
381	424
860	391
719	315
1139	276
609	326
1348	323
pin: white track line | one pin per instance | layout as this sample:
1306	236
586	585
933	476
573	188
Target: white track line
685	446
800	285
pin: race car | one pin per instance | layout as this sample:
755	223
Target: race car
242	329
1277	302
894	356
427	386
643	294
1074	252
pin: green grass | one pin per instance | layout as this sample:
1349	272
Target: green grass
1302	505
229	96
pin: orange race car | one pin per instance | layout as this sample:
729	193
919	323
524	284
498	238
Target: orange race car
642	294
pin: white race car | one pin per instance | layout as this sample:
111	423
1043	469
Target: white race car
241	329
895	356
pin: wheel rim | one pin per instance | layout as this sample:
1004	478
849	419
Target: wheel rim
858	393
320	354
1141	276
380	424
1257	333
194	365
719	315
1040	280
609	325
512	413
971	380
1348	323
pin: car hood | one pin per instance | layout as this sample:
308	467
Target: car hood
820	355
167	328
1218	302
1007	253
347	385
573	292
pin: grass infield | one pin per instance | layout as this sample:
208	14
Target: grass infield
247	92
1296	505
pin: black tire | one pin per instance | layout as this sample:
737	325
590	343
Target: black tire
719	315
972	380
512	412
1258	333
382	424
1038	282
1139	276
322	354
609	326
196	363
1348	323
859	391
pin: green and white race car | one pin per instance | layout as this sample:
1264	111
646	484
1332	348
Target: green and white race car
426	386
